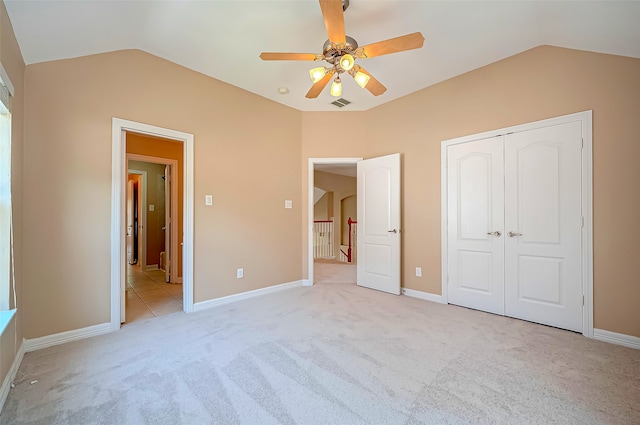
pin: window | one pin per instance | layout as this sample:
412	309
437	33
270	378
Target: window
7	293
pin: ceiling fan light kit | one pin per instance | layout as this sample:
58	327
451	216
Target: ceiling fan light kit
341	52
336	87
316	74
361	78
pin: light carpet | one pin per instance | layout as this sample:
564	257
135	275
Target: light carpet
329	354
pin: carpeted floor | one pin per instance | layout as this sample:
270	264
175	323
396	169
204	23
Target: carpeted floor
329	354
333	271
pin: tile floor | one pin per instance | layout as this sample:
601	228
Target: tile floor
149	296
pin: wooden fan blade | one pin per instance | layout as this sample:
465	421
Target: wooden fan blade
275	56
393	45
374	86
333	20
317	88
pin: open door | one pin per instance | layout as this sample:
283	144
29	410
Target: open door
168	255
379	223
130	229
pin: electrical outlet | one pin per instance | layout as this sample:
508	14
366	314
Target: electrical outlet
240	273
208	199
418	271
288	204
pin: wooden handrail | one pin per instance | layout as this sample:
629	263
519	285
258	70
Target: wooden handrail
348	253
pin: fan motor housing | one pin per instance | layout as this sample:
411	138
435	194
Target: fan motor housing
331	54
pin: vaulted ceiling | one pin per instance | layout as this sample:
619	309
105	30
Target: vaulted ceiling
224	39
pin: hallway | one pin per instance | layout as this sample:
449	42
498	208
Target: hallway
148	295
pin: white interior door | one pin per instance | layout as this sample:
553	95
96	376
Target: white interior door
130	223
475	225
168	224
544	225
378	243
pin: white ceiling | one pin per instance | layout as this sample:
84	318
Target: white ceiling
224	38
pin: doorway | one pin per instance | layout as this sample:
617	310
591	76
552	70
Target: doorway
334	223
153	274
324	264
120	129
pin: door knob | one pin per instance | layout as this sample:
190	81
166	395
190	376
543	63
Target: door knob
393	231
514	234
496	233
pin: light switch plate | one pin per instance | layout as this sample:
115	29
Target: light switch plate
288	204
240	273
152	207
208	199
418	271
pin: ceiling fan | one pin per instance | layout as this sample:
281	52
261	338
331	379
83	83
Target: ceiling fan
341	51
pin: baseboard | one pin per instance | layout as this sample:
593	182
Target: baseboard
204	305
63	337
178	280
11	375
423	295
306	282
150	267
616	338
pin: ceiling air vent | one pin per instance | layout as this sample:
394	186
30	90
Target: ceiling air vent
341	102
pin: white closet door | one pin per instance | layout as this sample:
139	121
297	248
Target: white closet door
475	236
543	220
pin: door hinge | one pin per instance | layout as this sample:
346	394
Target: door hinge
583	300
582	144
582	225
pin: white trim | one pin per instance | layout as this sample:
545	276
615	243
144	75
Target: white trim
587	230
310	205
204	305
306	282
118	163
444	214
11	375
616	338
5	79
586	118
67	336
434	298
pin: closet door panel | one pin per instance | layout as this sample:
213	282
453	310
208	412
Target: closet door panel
475	225
543	221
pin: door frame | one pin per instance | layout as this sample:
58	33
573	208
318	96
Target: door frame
311	169
174	200
118	204
586	119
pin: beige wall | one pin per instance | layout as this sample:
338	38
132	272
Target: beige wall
247	154
13	64
540	83
163	148
323	209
